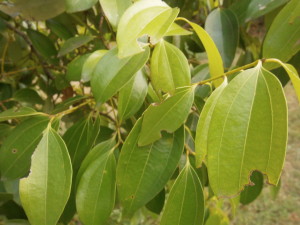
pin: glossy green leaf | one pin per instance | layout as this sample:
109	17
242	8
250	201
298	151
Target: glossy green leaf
175	29
45	192
17	149
13	113
132	96
247	10
283	38
250	193
95	196
90	64
74	43
112	73
75	68
79	5
204	122
156	204
169	68
28	95
80	139
251	137
35	9
223	27
59	29
185	204
114	9
215	60
168	116
147	168
151	18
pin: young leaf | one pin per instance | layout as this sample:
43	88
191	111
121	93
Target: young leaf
114	9
132	96
74	43
169	68
18	147
75	68
168	116
185	204
112	73
251	137
80	138
95	196
148	168
204	122
77	5
18	113
90	64
215	60
250	193
175	29
223	27
282	40
151	18
44	193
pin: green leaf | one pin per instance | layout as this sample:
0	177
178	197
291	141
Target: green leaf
45	192
185	204
157	203
204	122
175	29
169	68
168	116
215	60
59	29
114	9
4	197
132	96
80	138
283	38
112	73
247	10
28	95
74	43
75	68
90	64
251	137
223	27
15	113
35	9
151	18
78	5
250	193
95	197
17	149
147	168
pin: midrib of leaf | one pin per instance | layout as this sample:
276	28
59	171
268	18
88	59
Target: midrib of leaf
80	137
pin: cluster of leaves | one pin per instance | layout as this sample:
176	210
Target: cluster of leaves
110	111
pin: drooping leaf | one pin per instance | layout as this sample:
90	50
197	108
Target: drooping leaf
157	203
28	95
151	18
247	10
283	38
80	139
44	193
78	5
250	193
90	64
204	122
168	116
175	29
74	43
185	204
215	60
35	9
112	73
13	113
148	168
95	195
19	146
248	128
75	68
223	27
114	9
169	68
132	96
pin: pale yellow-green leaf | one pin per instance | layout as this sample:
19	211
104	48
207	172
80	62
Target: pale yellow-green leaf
175	29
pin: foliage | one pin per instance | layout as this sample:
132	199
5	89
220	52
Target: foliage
123	112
